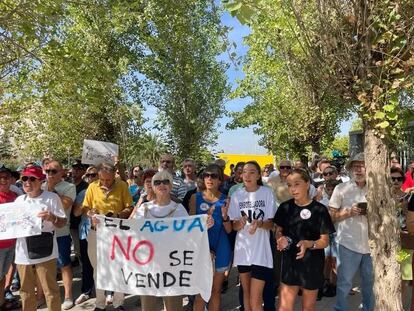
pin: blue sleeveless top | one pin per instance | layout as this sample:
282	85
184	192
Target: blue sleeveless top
217	236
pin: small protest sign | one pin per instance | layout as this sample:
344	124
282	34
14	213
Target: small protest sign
19	220
158	257
95	152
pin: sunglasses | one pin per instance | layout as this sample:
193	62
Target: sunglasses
91	175
328	173
285	167
30	178
210	175
159	182
166	161
51	172
397	178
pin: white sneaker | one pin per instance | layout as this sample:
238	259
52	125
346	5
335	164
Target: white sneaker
82	298
67	304
109	299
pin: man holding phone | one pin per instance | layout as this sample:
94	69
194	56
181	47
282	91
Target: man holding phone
348	209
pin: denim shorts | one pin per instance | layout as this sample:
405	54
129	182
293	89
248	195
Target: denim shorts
6	260
64	245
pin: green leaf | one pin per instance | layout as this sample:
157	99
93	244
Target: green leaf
247	12
379	115
383	125
393	116
388	108
233	6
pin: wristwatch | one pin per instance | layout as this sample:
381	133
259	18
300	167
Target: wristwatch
313	245
227	219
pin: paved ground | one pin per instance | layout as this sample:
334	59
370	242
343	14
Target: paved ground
229	299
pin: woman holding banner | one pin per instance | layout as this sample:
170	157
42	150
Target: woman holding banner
161	207
251	211
211	201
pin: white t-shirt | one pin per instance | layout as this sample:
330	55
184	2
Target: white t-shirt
352	232
253	249
48	201
68	190
152	210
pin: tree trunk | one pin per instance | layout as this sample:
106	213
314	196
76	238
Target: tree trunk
383	226
316	148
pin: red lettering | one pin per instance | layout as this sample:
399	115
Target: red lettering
116	240
151	252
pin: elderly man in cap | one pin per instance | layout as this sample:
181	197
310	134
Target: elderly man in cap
277	180
67	193
32	260
348	208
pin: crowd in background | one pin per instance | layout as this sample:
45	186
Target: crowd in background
290	229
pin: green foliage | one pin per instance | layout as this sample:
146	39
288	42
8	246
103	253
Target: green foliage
85	69
183	52
357	125
292	105
340	143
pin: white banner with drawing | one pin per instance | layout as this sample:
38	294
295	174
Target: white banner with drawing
95	152
18	220
159	257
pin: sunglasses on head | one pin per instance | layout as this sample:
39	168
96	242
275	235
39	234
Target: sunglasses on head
92	175
211	175
30	178
397	178
285	167
328	173
159	182
51	172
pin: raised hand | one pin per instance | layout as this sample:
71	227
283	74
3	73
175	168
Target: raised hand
210	219
282	243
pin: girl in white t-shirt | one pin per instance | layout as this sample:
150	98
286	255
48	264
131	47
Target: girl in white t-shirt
251	210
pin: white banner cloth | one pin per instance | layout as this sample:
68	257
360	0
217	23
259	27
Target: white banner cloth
158	257
18	220
95	152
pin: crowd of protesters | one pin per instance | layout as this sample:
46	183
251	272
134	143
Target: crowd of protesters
289	230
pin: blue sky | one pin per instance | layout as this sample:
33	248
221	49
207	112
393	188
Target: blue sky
241	140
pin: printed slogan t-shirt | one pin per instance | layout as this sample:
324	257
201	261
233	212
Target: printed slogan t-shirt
253	249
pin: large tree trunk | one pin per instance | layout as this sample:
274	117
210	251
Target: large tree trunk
383	226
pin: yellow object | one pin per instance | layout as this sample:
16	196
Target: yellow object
232	158
114	201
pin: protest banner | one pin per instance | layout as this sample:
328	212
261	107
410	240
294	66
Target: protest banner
18	220
158	257
95	152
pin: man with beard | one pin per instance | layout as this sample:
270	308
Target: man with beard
348	208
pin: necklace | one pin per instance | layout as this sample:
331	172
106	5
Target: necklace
169	213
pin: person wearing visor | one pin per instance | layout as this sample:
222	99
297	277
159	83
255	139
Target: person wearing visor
37	255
